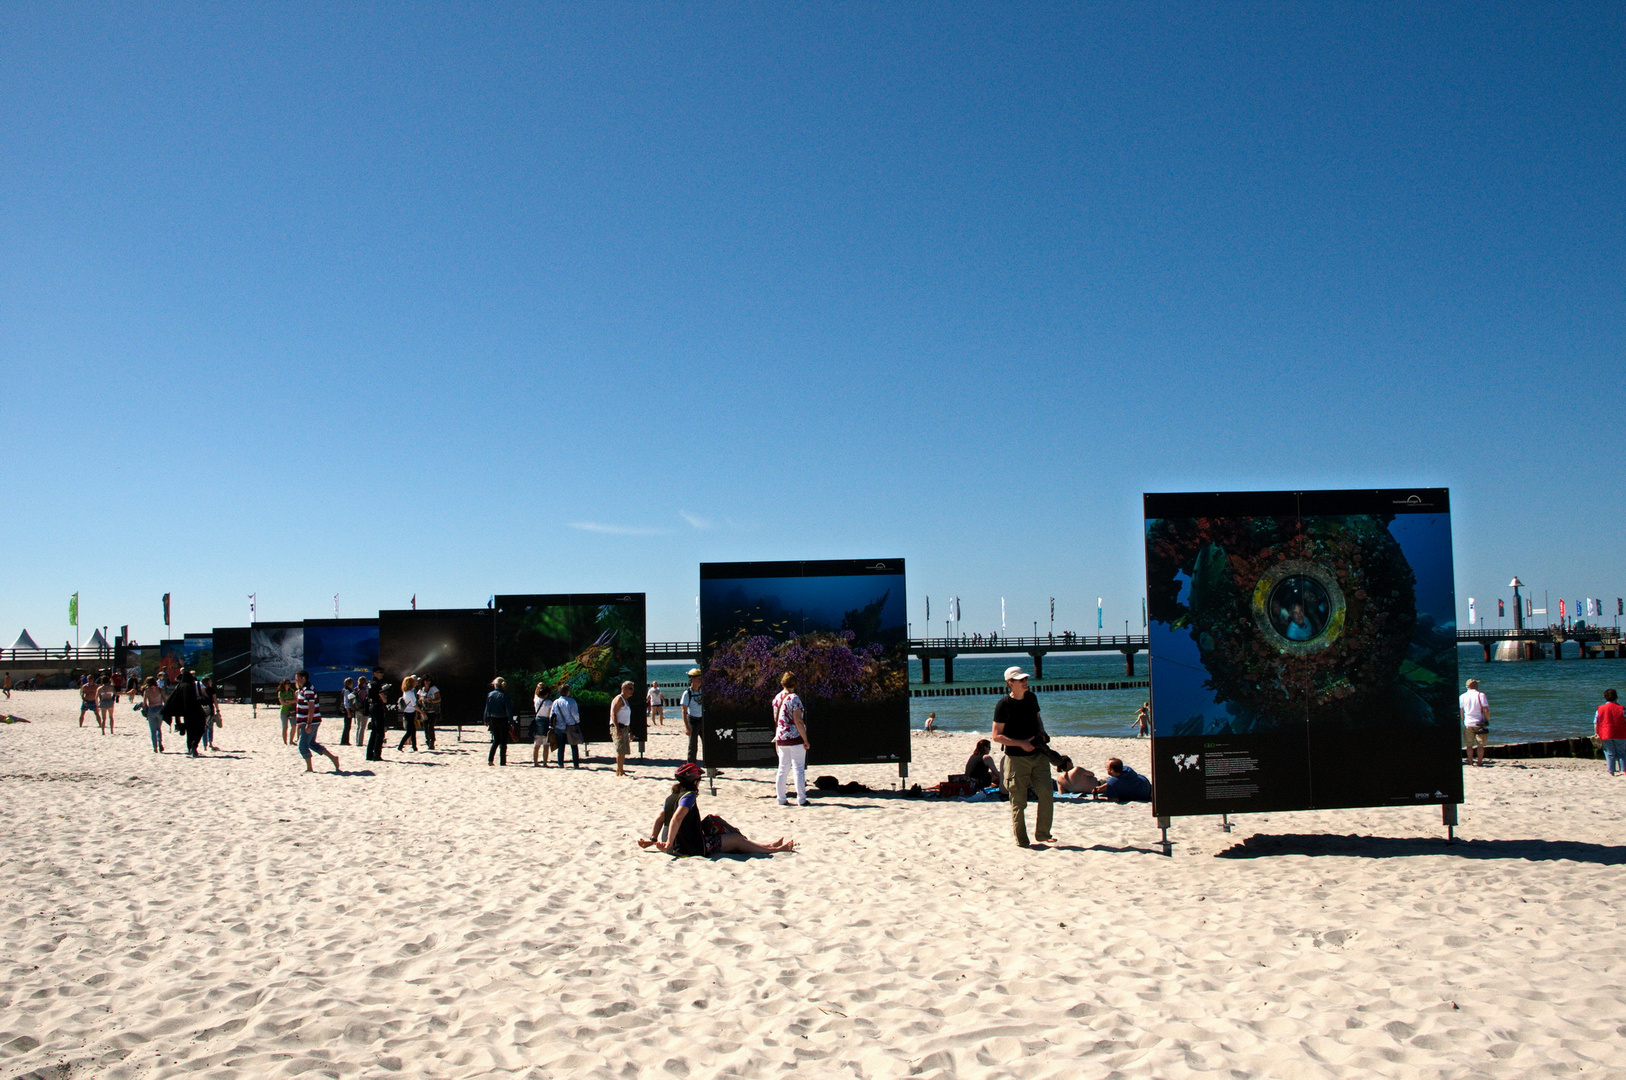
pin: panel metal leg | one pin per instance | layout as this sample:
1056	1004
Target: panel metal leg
1448	814
1163	824
1225	823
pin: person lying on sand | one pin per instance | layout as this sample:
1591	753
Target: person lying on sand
1074	779
687	833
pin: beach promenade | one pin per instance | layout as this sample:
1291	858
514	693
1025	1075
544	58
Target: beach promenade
428	916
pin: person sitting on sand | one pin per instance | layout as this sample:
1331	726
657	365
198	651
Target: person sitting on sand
1124	785
687	833
1074	779
931	722
980	767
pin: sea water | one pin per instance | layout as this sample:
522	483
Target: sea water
1530	700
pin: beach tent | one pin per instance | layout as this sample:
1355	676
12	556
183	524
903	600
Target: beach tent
24	642
97	641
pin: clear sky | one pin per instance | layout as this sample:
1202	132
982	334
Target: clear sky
454	300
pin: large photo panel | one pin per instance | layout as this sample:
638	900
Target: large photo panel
231	661
1302	649
452	646
276	652
840	625
336	650
589	643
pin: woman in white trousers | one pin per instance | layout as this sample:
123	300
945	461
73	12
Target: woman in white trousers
790	738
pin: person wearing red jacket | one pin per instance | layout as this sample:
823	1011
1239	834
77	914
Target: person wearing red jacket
1611	728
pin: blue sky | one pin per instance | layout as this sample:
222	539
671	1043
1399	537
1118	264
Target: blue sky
393	299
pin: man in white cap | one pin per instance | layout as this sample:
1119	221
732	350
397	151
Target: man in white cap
690	707
1019	730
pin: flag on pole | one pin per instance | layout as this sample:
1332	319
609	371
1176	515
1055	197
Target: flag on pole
335	605
251	615
1052	609
1501	610
1098	614
414	601
1470	611
166	609
73	610
928	609
1560	608
1001	614
1143	612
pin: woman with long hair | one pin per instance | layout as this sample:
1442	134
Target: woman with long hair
687	833
408	708
152	704
285	699
107	696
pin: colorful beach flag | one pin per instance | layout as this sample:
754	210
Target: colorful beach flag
1470	611
73	610
166	609
1098	614
1501	610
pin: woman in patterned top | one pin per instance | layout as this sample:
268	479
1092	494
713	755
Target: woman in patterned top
790	738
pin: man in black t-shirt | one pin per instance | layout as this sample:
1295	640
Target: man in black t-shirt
1019	730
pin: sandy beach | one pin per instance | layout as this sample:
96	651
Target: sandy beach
430	916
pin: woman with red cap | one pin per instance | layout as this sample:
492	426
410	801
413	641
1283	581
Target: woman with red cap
687	833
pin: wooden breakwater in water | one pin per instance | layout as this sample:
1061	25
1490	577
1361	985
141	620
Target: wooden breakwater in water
1571	748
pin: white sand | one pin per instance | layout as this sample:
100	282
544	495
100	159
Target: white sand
234	917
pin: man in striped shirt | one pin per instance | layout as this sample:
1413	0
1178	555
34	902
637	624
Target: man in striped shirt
307	718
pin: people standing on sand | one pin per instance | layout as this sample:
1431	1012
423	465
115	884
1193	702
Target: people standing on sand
308	718
567	727
152	701
285	703
621	726
1124	785
407	706
1475	710
656	702
211	712
184	711
107	696
1143	720
499	714
688	833
790	738
428	709
87	702
6	686
347	702
980	767
691	709
541	727
1018	728
1610	724
378	716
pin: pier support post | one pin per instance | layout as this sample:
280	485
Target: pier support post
948	668
925	669
1483	645
1038	664
1129	662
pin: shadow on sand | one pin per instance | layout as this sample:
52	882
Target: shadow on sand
1388	847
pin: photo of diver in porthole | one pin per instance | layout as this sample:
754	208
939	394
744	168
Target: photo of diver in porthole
1299	608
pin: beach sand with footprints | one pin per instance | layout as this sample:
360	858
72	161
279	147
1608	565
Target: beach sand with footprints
429	916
